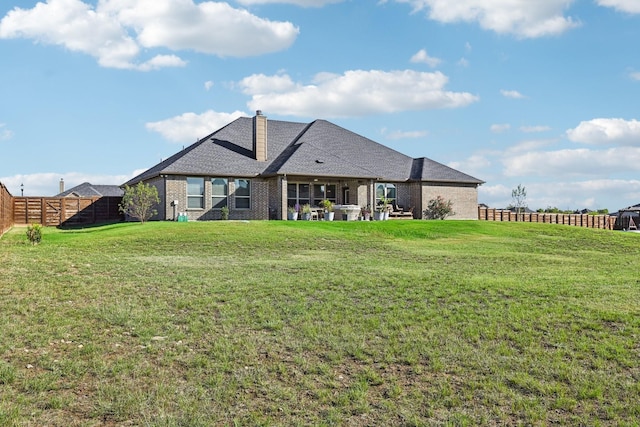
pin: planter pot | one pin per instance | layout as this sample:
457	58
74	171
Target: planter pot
386	215
292	216
378	216
328	216
306	216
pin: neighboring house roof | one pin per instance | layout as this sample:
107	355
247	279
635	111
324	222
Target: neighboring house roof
523	209
632	208
87	189
319	148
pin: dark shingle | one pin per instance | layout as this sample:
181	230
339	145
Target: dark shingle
87	189
318	148
425	169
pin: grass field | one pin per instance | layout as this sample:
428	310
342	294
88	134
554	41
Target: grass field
400	323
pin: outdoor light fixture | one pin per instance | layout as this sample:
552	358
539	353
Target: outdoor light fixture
22	189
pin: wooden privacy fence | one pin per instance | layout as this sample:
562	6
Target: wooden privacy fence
6	209
579	220
66	211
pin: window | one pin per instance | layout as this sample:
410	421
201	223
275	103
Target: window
195	193
324	191
219	192
388	191
297	194
243	193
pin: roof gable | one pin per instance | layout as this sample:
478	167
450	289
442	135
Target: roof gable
329	150
86	189
319	148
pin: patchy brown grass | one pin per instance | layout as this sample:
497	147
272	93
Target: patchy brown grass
277	323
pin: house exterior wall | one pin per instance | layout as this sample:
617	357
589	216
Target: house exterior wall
463	197
176	189
162	208
403	193
277	187
415	194
363	195
269	197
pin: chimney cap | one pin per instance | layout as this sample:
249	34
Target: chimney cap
258	112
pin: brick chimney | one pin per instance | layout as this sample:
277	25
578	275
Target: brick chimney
260	136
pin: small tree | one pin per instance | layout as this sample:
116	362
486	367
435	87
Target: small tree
138	201
519	197
34	233
438	208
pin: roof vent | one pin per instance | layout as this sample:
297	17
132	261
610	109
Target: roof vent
319	161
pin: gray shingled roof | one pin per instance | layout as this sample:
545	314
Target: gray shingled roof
87	189
425	169
319	148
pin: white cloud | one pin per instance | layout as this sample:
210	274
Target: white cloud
303	3
48	183
354	93
282	83
629	6
161	61
423	57
606	131
5	134
523	18
566	194
635	75
573	162
208	85
499	128
116	31
189	127
398	134
513	94
207	27
583	194
463	62
528	146
475	165
534	129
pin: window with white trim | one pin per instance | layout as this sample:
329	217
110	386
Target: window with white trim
195	193
219	192
388	191
243	193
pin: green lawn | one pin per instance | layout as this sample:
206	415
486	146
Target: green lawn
400	323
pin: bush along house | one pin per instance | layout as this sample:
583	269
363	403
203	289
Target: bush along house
258	168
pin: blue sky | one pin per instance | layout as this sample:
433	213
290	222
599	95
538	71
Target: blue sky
541	93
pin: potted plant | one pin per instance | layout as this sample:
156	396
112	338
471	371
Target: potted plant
292	213
306	212
328	209
382	212
365	213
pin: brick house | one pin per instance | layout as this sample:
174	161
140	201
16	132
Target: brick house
258	167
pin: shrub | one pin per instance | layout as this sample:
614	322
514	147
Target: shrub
438	208
34	233
139	201
224	213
